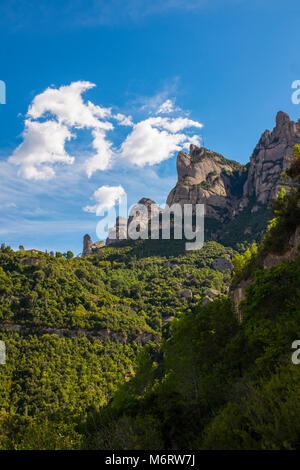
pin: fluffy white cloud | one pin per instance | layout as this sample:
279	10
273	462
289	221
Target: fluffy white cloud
106	198
166	107
102	159
55	115
43	145
175	124
156	139
67	105
44	142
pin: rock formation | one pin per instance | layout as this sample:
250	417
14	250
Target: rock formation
227	188
222	264
235	196
269	158
118	232
89	247
209	178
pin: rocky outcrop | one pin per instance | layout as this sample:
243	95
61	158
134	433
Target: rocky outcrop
223	264
89	247
235	196
141	337
186	293
270	157
289	253
118	232
211	295
143	217
225	187
238	295
291	250
206	177
139	220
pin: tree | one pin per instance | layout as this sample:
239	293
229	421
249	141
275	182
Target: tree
69	255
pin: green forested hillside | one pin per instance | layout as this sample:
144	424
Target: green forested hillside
215	383
73	329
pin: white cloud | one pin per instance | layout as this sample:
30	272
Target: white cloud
44	142
124	120
102	159
67	105
166	107
175	124
106	197
43	145
156	139
55	115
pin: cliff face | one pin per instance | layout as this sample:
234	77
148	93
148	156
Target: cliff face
89	247
235	196
289	253
209	178
227	187
269	158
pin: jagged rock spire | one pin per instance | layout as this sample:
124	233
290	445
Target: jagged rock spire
270	156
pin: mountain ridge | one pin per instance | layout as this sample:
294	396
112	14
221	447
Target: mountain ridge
236	196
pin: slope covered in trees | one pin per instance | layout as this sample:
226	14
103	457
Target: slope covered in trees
73	329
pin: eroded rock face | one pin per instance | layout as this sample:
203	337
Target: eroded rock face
89	247
225	187
118	232
292	250
149	208
270	157
139	217
271	259
186	293
222	264
239	294
206	177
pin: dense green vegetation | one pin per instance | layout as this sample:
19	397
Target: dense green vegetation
48	383
215	384
73	328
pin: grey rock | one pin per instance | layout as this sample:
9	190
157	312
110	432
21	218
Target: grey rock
118	232
89	247
222	264
270	157
207	300
225	187
213	293
186	293
204	177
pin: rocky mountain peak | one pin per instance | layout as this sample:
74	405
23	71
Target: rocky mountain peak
145	201
282	119
269	158
227	189
203	177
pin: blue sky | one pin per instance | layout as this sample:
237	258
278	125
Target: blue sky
227	64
